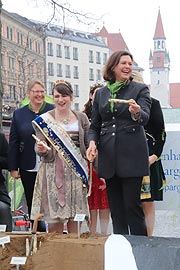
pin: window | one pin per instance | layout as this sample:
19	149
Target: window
20	38
58	50
50	87
67	52
75	72
38	47
7	30
98	75
20	66
76	90
158	59
75	53
11	63
91	60
91	74
2	60
50	69
76	106
21	92
12	91
154	44
104	58
39	71
29	43
98	58
59	70
31	68
50	49
9	33
163	45
67	71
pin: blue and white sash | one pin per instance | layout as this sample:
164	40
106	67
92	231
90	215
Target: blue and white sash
63	144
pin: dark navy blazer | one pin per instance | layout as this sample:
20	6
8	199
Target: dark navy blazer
4	197
21	154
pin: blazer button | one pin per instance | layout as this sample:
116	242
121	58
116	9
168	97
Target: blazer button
133	129
113	134
113	126
113	117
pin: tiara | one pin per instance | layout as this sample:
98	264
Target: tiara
60	82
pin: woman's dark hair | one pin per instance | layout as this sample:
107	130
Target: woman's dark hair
88	105
63	87
112	62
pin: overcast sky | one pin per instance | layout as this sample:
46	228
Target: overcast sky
135	19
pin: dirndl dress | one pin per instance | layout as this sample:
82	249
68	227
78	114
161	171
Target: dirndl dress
157	176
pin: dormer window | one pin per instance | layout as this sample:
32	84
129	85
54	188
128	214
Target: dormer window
158	59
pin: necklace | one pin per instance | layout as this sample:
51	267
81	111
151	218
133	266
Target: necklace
65	120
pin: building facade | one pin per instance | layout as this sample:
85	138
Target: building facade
77	57
31	50
22	57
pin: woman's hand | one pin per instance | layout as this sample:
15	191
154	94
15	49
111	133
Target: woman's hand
134	108
91	152
15	174
42	147
152	159
103	186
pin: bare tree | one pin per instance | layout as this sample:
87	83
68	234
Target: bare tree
63	13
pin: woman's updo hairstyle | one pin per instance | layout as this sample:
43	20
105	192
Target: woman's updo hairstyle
63	87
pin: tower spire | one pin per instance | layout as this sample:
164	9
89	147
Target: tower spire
159	30
159	64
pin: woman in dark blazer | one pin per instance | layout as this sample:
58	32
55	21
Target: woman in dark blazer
22	159
156	137
117	132
5	201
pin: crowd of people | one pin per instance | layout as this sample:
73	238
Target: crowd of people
115	142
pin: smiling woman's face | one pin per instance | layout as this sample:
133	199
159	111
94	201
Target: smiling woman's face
123	70
62	101
37	94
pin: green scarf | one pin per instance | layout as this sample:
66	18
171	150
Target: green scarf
41	108
114	88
